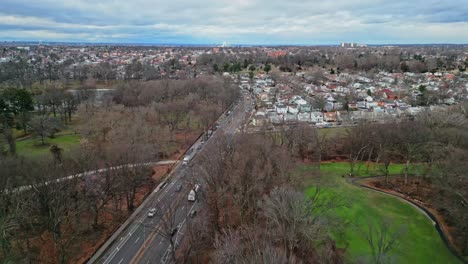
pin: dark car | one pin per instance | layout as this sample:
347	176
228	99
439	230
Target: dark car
173	231
193	213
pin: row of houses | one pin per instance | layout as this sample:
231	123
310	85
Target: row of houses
262	118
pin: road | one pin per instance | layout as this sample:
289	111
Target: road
139	242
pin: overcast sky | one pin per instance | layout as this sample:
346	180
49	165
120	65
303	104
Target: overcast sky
306	22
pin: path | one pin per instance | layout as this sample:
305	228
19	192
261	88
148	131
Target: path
420	208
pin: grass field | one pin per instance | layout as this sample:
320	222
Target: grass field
419	244
332	132
31	148
372	169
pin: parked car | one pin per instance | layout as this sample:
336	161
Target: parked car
152	212
178	188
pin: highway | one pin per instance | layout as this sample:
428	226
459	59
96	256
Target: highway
139	242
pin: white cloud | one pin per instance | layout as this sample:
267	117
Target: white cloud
241	21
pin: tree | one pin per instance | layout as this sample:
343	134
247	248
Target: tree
404	67
15	105
246	245
357	141
319	102
226	67
267	68
382	239
56	152
44	126
165	229
54	207
412	137
297	221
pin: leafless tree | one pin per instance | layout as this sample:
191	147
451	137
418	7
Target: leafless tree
356	143
291	217
168	229
44	126
382	239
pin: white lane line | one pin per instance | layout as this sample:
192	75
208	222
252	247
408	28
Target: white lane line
183	207
137	240
120	261
122	243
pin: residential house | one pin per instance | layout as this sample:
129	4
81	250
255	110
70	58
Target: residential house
316	117
304	117
290	118
259	119
293	109
281	109
330	117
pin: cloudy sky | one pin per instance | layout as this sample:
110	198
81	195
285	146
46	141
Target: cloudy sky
303	22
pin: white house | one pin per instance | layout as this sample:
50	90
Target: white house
316	117
304	117
293	109
281	109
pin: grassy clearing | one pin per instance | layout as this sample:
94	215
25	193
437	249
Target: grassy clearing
332	132
363	169
31	148
419	244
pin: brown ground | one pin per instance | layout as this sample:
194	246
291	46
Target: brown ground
418	190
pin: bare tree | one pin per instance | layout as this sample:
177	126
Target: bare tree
44	126
382	239
291	217
168	229
357	142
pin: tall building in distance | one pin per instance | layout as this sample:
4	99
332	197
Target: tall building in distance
352	45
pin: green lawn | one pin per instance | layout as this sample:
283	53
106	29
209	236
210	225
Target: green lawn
372	169
419	244
332	132
31	148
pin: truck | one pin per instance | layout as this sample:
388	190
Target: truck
193	193
188	157
191	196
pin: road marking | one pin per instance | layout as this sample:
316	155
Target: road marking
137	240
183	207
120	261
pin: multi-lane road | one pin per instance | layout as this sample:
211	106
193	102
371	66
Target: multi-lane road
140	242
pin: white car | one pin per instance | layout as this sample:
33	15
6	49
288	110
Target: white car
152	212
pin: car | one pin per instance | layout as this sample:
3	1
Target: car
193	213
152	212
178	188
173	231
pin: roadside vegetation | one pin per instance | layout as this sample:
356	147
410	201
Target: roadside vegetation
66	221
